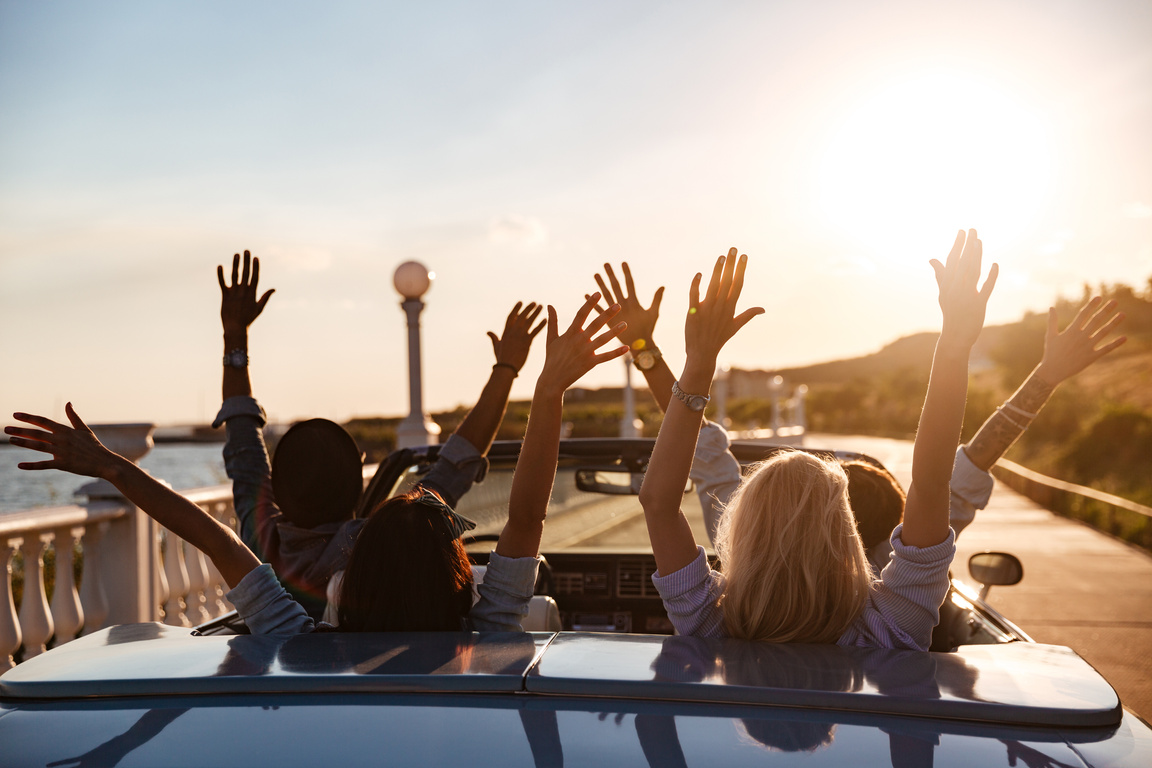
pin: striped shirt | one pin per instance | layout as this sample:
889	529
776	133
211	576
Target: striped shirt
900	611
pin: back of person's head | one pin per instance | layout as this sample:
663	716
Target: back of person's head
877	500
408	571
793	561
317	475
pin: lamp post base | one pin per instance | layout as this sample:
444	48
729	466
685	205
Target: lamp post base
416	430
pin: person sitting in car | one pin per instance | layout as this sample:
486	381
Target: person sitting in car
876	496
407	570
794	568
297	511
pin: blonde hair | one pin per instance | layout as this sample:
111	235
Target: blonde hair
795	568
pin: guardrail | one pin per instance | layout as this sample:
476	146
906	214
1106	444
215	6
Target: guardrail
131	570
1119	517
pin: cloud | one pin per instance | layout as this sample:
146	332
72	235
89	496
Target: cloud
1136	210
520	231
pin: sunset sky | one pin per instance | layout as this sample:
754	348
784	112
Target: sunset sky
513	148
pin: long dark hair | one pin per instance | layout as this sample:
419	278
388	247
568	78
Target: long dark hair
408	571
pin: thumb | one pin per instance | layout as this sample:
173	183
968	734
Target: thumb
74	417
656	299
553	329
1053	323
495	340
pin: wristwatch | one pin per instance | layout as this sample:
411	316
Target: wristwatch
236	358
694	402
646	358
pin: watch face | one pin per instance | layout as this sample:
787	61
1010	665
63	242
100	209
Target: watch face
645	360
697	402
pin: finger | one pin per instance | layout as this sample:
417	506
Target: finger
553	326
39	421
535	313
220	277
50	464
738	278
717	276
694	294
74	417
990	282
1053	324
954	254
631	286
601	320
611	354
1107	327
247	267
744	317
264	300
1086	312
598	307
512	316
726	276
970	257
608	335
23	433
607	294
537	329
1109	347
255	273
656	299
619	294
582	314
1102	315
32	443
235	270
940	270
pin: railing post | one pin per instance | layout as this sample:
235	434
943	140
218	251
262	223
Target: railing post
35	620
197	601
67	615
177	577
93	599
10	637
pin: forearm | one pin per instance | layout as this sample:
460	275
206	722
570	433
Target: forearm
482	422
660	379
1007	423
926	509
535	474
663	488
183	518
236	382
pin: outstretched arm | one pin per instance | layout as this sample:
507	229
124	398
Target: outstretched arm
480	425
568	357
711	321
239	307
75	449
639	336
963	305
1065	354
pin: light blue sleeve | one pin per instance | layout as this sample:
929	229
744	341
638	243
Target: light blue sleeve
266	606
715	473
971	488
691	596
504	594
904	605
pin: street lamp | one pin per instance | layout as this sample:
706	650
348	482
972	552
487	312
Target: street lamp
412	280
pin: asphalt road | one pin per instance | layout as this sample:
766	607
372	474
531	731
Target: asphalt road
1081	588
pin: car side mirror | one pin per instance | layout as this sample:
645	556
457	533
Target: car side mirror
994	569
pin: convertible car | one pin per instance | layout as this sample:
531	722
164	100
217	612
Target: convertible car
598	678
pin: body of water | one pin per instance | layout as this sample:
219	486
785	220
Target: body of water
184	466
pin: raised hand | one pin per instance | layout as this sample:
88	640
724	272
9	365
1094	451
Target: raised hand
712	320
74	449
641	321
1068	353
511	349
572	354
962	304
239	306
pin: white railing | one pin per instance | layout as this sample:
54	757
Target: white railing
132	571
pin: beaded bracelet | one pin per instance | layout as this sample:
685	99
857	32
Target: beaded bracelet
509	366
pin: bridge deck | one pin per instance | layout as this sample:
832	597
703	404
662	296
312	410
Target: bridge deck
1081	588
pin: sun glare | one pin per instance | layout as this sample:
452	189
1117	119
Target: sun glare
929	154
